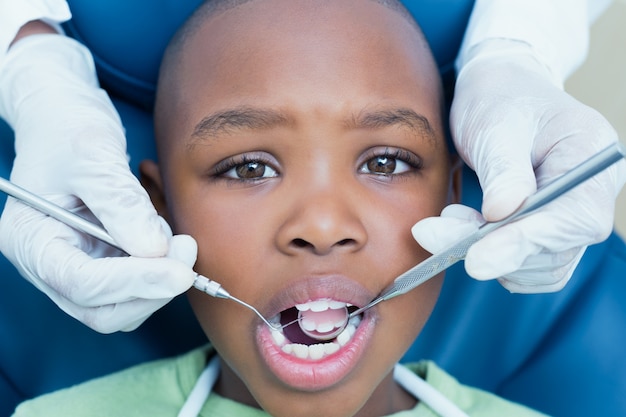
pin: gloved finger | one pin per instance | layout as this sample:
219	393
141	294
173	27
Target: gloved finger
98	173
49	251
592	203
48	242
92	282
25	232
504	168
184	249
436	234
567	223
493	127
111	318
119	202
127	316
105	319
546	275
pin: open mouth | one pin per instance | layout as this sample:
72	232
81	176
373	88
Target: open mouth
318	317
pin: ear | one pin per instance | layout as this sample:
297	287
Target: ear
150	178
456	180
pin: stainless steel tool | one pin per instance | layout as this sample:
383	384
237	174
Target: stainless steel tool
433	265
73	220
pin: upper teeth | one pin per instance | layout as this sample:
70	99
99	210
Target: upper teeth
320	305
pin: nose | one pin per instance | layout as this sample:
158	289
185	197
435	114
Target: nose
322	222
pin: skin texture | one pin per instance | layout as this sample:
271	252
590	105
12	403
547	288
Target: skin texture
313	103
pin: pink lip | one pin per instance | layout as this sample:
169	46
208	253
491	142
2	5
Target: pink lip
309	375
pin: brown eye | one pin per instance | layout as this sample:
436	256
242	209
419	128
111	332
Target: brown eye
252	170
385	165
382	165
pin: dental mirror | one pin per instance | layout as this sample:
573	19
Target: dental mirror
334	322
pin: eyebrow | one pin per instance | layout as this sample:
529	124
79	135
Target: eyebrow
251	118
247	118
404	117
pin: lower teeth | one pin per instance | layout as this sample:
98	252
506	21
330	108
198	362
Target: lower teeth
319	350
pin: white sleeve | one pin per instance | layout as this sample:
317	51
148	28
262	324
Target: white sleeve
16	13
556	30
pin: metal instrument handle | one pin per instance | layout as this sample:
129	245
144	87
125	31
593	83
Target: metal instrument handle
437	263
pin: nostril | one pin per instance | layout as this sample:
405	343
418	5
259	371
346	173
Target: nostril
322	246
300	243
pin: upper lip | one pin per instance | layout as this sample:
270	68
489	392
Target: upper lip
329	286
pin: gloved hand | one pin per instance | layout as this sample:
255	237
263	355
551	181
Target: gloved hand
518	131
71	149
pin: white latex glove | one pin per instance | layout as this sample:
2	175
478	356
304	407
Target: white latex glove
518	131
71	150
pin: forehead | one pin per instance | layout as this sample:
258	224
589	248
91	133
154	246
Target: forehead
288	52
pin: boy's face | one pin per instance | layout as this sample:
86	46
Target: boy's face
302	146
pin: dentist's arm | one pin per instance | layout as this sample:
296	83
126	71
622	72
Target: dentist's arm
514	125
71	149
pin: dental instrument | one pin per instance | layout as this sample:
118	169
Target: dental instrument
407	281
73	220
437	263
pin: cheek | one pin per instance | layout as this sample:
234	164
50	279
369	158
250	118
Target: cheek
229	234
406	314
408	207
225	239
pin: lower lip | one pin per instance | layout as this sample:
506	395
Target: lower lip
308	375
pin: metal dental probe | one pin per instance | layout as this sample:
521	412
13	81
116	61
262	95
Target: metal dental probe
437	263
73	220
